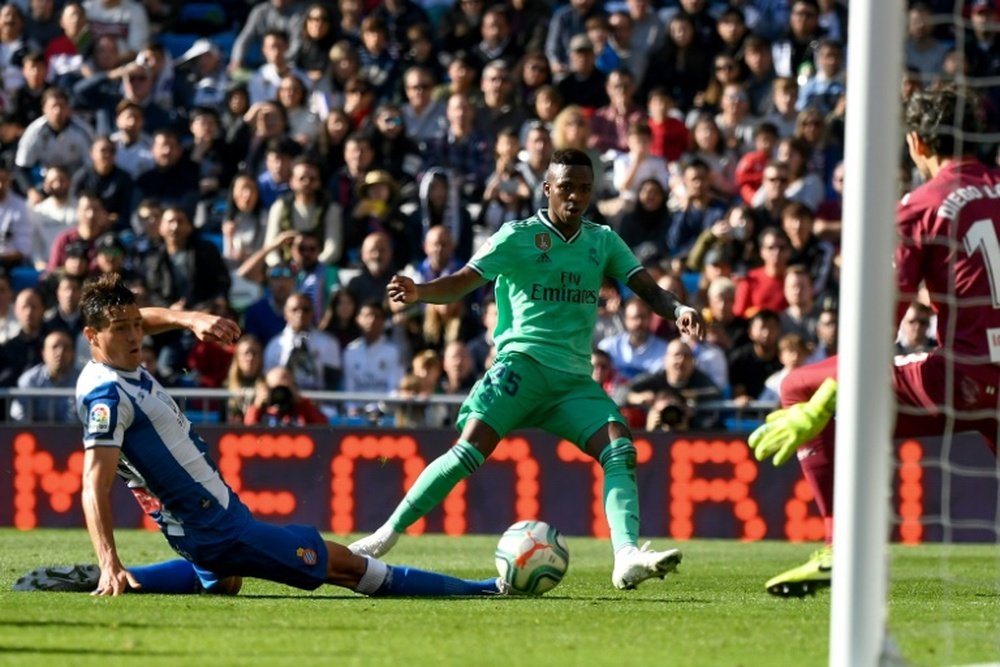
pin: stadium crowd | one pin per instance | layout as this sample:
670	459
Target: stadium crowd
280	161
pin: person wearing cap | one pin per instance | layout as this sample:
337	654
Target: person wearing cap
584	85
56	137
16	232
201	76
105	178
567	22
377	210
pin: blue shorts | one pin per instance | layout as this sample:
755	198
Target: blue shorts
292	555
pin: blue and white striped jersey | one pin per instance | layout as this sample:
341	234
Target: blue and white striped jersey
164	462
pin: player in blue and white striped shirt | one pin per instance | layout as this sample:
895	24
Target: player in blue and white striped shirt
134	429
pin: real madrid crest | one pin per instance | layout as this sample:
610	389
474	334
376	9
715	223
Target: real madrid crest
543	241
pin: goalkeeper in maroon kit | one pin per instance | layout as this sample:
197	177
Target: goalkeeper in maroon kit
949	240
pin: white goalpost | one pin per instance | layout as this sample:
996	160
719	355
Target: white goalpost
865	406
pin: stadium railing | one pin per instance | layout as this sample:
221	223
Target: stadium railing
207	406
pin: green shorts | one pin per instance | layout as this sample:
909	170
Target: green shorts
518	392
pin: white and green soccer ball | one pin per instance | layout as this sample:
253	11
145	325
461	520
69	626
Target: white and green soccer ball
532	557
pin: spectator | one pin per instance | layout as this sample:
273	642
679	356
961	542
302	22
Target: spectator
133	147
379	66
277	402
91	221
41	25
263	85
482	347
529	23
340	319
783	113
732	30
275	181
24	350
671	138
794	53
394	150
609	311
462	148
65	314
25	103
644	224
65	53
732	239
729	330
328	151
672	394
423	51
307	210
828	216
531	74
507	195
424	117
13	46
111	183
759	62
923	51
57	370
914	331
750	168
610	124
458	372
245	220
763	287
372	362
441	204
173	180
126	20
264	319
803	186
56	138
802	313
638	164
187	269
132	82
771	199
497	42
53	215
210	157
647	33
538	147
807	249
8	321
681	64
201	80
827	331
312	356
709	146
497	109
608	55
584	85
567	22
700	210
378	211
286	16
754	362
824	88
245	371
318	36
439	256
571	129
458	29
358	158
636	350
792	352
734	120
110	257
359	100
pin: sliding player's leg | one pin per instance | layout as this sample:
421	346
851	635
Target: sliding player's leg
502	399
169	577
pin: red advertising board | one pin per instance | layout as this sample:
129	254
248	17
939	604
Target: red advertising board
348	480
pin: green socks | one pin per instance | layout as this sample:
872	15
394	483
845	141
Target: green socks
436	482
621	498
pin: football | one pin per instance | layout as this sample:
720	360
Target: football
532	557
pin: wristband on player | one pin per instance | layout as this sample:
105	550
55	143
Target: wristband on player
680	309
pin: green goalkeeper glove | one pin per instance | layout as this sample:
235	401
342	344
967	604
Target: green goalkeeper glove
786	430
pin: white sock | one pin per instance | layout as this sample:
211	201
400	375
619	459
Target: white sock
374	576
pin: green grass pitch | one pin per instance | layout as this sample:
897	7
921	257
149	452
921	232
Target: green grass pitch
944	610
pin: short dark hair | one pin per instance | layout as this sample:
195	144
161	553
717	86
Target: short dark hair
100	296
944	119
571	157
766	315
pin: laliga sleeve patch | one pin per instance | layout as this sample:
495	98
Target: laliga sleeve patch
99	418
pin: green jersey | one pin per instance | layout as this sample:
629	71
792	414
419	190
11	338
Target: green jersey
547	287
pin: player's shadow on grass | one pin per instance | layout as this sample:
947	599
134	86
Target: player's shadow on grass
76	651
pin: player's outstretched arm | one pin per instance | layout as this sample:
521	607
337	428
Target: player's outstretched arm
446	289
667	305
203	325
99	469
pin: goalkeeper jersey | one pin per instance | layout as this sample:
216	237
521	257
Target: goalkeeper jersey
547	287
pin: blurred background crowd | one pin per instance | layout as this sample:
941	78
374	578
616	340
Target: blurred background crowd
279	161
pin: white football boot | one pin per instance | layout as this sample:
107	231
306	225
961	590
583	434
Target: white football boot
376	544
634	566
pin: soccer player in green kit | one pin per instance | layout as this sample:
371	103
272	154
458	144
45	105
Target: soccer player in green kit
548	271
